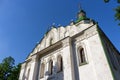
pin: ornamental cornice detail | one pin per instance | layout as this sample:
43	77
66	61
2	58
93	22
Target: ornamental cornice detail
86	34
66	42
56	34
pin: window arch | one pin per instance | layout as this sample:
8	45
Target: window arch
51	41
50	69
59	63
42	70
81	55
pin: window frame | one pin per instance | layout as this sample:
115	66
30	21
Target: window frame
50	67
42	70
59	64
78	55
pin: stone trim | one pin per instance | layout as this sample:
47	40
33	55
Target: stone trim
66	42
85	34
78	46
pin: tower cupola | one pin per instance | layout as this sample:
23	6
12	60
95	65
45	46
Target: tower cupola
81	16
81	13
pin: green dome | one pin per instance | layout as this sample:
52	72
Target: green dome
81	16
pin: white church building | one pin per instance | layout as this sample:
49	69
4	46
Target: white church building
79	51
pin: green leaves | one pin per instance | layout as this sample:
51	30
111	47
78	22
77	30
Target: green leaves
117	10
106	1
117	14
118	1
8	70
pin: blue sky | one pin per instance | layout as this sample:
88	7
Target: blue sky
24	22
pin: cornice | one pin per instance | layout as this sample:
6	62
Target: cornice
66	42
87	33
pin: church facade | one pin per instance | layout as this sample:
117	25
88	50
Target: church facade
79	51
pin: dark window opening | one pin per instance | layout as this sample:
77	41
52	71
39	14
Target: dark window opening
50	67
42	69
60	64
82	56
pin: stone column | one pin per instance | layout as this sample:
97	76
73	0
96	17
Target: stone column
67	59
33	68
22	71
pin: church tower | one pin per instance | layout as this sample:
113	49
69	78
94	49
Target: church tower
79	51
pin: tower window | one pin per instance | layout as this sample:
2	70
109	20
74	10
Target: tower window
50	69
81	55
42	69
59	64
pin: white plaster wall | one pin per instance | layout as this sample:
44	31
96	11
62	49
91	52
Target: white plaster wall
33	68
45	59
100	63
67	63
26	68
22	71
97	67
65	52
86	71
59	33
26	73
21	74
112	55
97	63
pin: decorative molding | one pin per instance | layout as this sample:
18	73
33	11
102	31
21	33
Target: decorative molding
34	58
78	46
66	42
57	34
86	34
23	65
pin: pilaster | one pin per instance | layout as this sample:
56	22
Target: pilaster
21	76
67	59
33	69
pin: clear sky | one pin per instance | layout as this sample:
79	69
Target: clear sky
24	22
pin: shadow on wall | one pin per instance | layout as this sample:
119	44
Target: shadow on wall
55	74
75	63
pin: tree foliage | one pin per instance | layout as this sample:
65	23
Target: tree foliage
8	70
117	14
117	11
106	1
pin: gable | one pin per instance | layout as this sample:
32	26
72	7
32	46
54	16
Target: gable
56	34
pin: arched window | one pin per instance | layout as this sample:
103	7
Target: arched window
82	58
28	74
42	70
50	69
51	41
59	63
